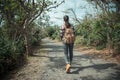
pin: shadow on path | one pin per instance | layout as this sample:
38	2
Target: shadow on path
84	66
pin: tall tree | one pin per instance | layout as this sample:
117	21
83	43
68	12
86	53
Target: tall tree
19	14
111	16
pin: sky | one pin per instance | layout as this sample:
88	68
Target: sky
80	7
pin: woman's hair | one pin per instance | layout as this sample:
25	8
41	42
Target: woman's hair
66	19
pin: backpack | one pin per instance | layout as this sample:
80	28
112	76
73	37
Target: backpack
69	36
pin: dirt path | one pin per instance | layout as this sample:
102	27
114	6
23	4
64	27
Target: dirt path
48	64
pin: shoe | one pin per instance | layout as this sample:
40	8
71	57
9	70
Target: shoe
67	68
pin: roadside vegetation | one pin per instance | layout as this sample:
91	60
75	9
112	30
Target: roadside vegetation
23	23
100	30
20	31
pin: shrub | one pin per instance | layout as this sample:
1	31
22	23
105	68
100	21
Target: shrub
78	40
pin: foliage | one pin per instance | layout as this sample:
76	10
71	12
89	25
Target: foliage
102	30
78	40
35	35
18	30
9	51
53	32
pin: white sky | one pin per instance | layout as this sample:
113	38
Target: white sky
79	6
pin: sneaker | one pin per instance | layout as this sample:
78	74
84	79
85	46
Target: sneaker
67	68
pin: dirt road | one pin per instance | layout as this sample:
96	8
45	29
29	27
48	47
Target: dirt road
48	64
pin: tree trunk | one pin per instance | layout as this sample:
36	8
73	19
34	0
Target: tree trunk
109	44
26	43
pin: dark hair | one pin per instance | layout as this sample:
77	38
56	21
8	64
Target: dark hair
66	19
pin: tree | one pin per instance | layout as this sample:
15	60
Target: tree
111	17
19	14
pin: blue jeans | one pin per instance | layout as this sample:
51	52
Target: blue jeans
68	51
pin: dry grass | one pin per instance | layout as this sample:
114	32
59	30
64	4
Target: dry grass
100	53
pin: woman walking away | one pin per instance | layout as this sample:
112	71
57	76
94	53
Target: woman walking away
67	35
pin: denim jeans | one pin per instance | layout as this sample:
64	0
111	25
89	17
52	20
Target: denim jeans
68	51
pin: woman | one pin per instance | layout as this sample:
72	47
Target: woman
68	47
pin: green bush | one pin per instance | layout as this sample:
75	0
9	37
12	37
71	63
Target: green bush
53	32
54	35
50	31
10	50
78	40
100	47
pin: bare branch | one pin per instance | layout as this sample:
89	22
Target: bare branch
42	9
34	14
97	2
55	5
75	15
39	13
